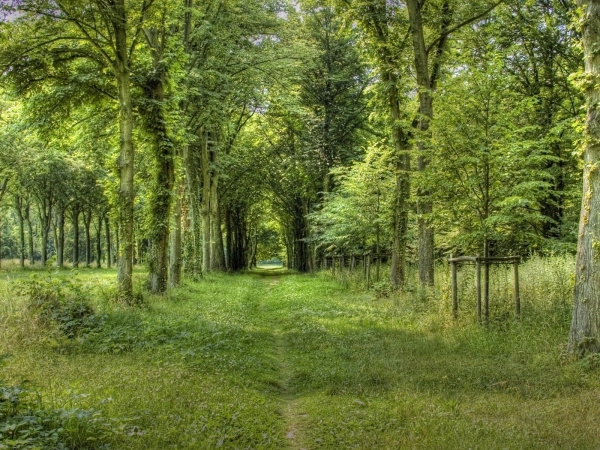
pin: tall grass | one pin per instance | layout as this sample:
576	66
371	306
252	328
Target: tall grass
546	288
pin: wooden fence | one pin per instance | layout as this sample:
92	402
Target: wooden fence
480	261
350	262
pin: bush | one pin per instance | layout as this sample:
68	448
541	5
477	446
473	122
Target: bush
62	303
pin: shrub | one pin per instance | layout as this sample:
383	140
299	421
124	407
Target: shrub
60	302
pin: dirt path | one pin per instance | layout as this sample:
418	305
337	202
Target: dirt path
291	411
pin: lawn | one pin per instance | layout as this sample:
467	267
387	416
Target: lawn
272	359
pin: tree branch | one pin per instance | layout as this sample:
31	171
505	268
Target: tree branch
464	24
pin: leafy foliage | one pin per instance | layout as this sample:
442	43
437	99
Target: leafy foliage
60	302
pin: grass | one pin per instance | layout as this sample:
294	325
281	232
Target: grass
274	360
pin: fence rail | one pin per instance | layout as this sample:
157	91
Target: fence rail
485	262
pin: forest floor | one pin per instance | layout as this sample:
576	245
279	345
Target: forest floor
276	360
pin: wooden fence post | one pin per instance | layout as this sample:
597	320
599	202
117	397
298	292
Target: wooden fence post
478	287
368	270
454	288
486	290
516	284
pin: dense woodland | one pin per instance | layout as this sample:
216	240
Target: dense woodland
206	135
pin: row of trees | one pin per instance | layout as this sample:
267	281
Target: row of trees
198	130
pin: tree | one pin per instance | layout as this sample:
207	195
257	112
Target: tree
385	30
104	35
585	327
540	51
356	216
487	177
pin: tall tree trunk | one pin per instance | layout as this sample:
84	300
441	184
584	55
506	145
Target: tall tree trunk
60	248
99	242
30	235
402	194
192	205
55	237
126	171
87	220
217	250
426	82
21	219
156	122
45	214
45	232
175	244
75	211
205	208
108	241
585	326
229	239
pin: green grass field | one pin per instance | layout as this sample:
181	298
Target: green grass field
275	360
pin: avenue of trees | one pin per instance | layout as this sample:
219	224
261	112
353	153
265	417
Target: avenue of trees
205	135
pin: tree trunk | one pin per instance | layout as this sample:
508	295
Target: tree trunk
45	232
585	326
402	194
75	217
55	237
426	82
99	242
229	239
217	250
45	215
60	248
126	172
30	235
108	241
164	174
192	204
175	246
205	207
21	219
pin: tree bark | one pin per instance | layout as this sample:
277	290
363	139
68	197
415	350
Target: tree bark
585	326
30	235
87	220
45	214
402	194
75	211
108	241
60	248
99	242
205	206
21	218
426	81
164	175
126	170
217	249
192	204
175	245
